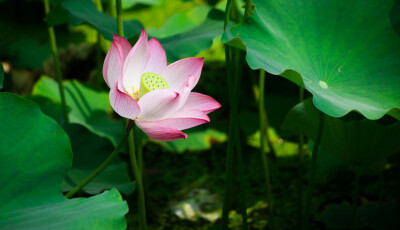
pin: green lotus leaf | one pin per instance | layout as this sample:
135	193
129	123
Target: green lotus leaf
90	151
88	107
346	53
363	145
198	140
49	107
35	155
180	21
193	41
77	12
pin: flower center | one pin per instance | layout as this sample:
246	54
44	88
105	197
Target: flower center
151	81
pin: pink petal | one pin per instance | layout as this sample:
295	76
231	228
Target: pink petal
135	63
124	104
184	92
158	104
158	59
178	72
198	101
160	132
185	120
112	68
113	63
105	66
123	46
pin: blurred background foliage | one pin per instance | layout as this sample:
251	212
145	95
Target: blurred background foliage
184	179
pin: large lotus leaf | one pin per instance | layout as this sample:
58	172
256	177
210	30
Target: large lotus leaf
193	41
346	52
90	151
363	145
395	17
84	11
49	107
35	155
87	107
181	21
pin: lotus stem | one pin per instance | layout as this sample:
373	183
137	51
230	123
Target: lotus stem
300	169
120	25
256	92
138	177
99	57
313	167
54	50
111	8
239	61
234	79
234	145
139	150
230	150
227	13
242	180
96	172
263	131
248	9
229	177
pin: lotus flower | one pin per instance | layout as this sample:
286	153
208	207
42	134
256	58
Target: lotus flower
156	96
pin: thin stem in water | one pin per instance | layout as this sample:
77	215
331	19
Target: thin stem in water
313	167
239	57
229	157
111	8
139	154
256	92
227	13
96	172
230	151
54	50
139	149
300	169
120	25
138	177
242	181
239	61
232	55
263	131
229	178
99	53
